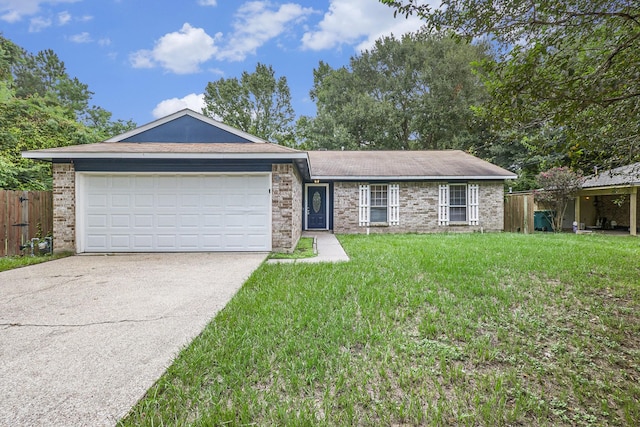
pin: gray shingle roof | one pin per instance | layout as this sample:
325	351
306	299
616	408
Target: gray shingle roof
402	165
624	175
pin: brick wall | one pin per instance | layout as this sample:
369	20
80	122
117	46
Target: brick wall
418	209
286	207
64	207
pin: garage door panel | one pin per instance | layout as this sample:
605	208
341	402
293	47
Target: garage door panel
190	200
120	221
167	200
256	241
120	241
141	182
167	220
97	200
143	200
158	212
120	200
166	241
143	242
188	241
120	182
97	221
96	241
143	221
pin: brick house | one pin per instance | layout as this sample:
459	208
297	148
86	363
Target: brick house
189	183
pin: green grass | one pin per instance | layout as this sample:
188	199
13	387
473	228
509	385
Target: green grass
9	263
450	329
304	249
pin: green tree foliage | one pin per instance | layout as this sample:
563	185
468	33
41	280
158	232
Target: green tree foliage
570	65
558	187
42	107
257	103
412	93
31	124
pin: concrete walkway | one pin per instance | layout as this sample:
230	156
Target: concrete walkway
327	246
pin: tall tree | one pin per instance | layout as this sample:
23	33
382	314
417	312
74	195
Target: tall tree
572	65
45	75
412	93
42	107
257	103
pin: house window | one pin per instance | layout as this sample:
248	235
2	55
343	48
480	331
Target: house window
458	204
379	204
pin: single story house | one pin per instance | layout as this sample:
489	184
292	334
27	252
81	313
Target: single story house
187	182
609	200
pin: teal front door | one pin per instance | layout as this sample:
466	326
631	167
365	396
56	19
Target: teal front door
317	213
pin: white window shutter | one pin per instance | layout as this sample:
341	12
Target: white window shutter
363	206
443	205
472	196
394	204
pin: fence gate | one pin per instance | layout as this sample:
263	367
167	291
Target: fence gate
518	213
24	215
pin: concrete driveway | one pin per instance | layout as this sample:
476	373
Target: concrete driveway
82	338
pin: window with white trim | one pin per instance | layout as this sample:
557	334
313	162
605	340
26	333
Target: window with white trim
379	204
378	208
458	204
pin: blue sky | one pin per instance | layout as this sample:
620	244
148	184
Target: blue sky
145	59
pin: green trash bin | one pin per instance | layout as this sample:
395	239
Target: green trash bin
542	220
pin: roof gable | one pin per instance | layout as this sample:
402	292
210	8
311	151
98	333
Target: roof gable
186	126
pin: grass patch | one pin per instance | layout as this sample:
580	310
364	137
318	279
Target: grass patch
9	263
304	249
449	329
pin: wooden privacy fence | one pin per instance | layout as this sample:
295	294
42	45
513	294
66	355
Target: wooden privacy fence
23	215
518	213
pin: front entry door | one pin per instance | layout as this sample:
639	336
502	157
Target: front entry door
317	212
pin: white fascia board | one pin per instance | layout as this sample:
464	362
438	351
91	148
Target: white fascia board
186	112
70	155
414	178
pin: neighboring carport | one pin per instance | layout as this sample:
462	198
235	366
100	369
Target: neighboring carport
609	200
82	338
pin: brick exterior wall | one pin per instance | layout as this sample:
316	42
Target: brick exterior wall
64	207
418	209
286	207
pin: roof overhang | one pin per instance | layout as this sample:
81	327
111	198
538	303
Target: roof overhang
300	159
416	178
61	155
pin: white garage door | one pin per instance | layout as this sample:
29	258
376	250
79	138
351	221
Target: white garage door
174	213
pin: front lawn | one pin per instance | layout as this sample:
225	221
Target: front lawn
469	329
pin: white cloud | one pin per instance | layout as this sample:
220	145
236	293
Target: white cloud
168	106
208	2
359	22
256	23
180	52
38	24
104	41
15	10
142	59
64	18
81	38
